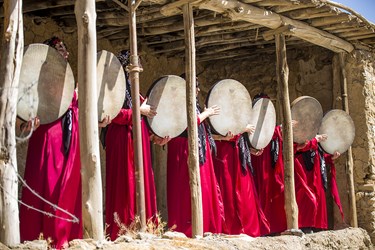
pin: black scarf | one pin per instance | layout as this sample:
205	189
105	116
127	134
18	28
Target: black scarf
308	159
203	131
67	125
274	152
245	157
323	167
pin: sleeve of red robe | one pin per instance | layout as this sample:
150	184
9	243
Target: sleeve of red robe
334	188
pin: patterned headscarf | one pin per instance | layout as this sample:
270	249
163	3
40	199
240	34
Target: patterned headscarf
53	41
124	58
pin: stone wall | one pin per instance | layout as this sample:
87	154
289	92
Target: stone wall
361	73
310	74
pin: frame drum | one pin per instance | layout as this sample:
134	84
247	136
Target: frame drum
46	84
263	117
308	112
111	85
339	127
235	107
168	96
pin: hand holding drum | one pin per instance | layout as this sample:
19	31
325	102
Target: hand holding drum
340	131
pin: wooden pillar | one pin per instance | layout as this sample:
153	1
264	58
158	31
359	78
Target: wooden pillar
10	68
282	72
92	198
134	70
349	160
193	160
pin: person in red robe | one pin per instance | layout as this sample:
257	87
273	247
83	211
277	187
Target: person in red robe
269	181
234	173
178	187
52	170
120	204
311	182
315	166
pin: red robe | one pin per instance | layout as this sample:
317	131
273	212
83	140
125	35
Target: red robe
178	190
269	182
56	178
311	202
120	173
334	189
242	211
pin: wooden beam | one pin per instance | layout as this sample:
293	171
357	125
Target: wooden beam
282	73
193	159
322	21
282	9
349	154
270	3
240	11
309	13
30	6
286	30
175	7
134	70
123	6
92	198
356	14
10	70
178	27
361	37
227	39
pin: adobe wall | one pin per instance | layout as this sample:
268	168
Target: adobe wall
310	74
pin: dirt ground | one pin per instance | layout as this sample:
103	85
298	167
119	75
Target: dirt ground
349	238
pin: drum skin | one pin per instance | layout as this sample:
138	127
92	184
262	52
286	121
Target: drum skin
46	85
111	85
263	117
168	96
308	112
339	127
235	107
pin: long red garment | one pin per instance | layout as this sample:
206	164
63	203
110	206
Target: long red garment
269	182
178	190
56	178
242	212
120	173
334	188
313	179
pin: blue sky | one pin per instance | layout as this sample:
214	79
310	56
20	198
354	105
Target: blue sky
364	7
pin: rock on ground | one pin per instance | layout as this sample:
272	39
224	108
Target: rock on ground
349	238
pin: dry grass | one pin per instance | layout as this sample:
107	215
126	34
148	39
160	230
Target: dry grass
154	225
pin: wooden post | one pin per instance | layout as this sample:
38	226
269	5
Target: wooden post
92	198
282	72
10	68
134	70
349	160
193	160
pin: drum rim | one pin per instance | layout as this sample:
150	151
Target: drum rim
73	83
351	121
148	94
302	98
270	101
123	94
208	95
